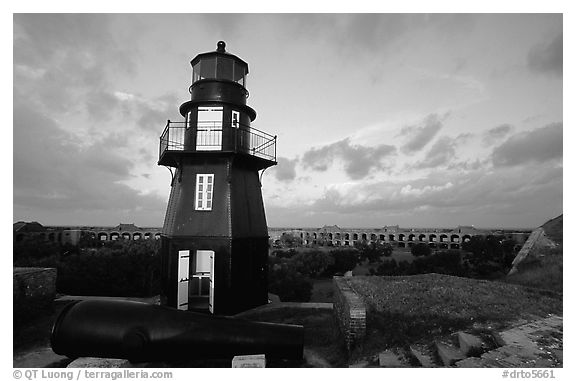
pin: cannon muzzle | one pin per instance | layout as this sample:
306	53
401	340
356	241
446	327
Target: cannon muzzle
144	332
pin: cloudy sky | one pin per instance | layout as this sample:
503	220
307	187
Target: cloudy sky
382	119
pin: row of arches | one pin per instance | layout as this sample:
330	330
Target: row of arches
134	236
441	245
398	237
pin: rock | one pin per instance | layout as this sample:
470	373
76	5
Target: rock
361	364
389	359
40	358
314	359
424	360
497	339
95	362
449	355
470	362
249	361
469	344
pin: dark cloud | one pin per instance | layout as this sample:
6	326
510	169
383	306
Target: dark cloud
547	57
540	145
506	193
371	34
53	175
441	153
71	57
286	169
150	114
421	134
40	38
358	160
496	134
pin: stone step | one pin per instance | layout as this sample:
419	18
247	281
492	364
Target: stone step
448	354
389	359
470	345
360	364
470	362
39	358
95	362
425	360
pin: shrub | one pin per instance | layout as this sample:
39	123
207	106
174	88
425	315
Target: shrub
343	260
387	267
30	251
312	263
443	262
289	284
374	251
290	240
123	268
117	268
421	250
284	253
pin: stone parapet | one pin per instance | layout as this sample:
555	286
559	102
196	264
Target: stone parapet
33	290
350	313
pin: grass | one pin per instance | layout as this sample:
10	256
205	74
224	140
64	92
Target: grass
34	332
322	291
542	269
554	229
407	310
320	331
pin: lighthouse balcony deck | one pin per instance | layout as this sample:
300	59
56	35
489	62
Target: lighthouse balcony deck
179	139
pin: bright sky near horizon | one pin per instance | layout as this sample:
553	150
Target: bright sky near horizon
382	119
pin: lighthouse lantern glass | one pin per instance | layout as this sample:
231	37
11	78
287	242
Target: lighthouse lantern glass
217	67
225	68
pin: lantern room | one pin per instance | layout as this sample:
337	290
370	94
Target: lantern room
219	65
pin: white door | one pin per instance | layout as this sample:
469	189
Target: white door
211	300
209	129
183	278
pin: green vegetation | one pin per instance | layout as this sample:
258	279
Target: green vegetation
291	273
421	250
411	309
487	257
542	269
113	268
554	229
320	331
286	282
290	240
447	262
374	251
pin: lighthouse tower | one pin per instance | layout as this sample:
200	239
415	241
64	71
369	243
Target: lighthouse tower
215	238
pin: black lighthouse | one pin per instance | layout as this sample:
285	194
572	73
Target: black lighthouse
215	237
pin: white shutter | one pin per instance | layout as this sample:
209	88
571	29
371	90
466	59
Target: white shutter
183	279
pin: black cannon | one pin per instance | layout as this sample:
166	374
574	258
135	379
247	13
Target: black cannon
144	332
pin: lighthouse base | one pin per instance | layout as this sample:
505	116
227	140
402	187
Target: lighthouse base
219	275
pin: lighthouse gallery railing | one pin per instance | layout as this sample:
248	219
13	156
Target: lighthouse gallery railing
243	139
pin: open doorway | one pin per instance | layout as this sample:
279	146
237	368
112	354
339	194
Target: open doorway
201	290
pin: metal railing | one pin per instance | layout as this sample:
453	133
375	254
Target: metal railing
212	136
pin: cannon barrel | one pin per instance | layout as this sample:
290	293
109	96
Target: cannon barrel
145	332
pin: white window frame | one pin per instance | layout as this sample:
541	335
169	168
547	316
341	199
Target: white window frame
188	119
209	128
204	191
235	122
